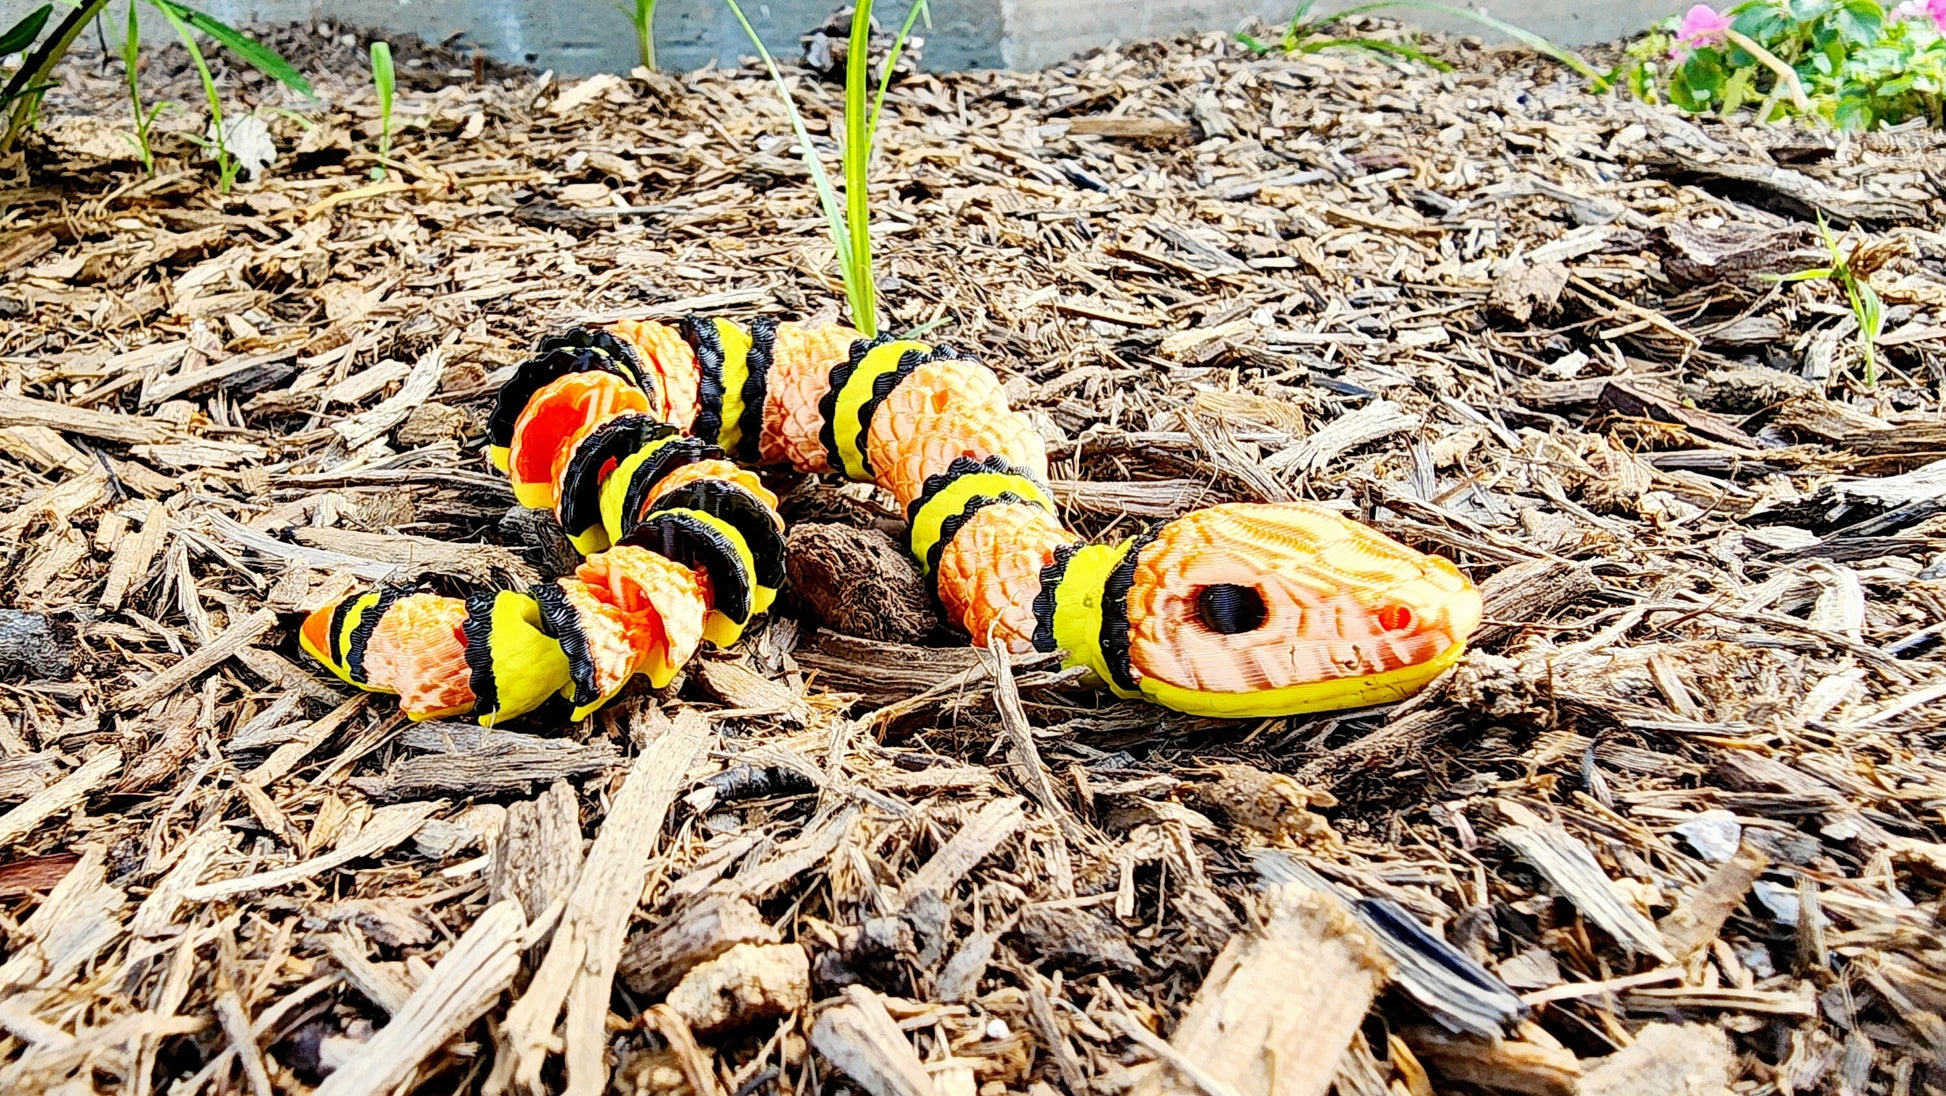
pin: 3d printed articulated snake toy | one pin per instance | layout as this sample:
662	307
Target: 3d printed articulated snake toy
632	436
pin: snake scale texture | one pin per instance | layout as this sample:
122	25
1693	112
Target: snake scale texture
639	437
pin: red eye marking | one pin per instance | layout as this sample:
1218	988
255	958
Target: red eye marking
1395	618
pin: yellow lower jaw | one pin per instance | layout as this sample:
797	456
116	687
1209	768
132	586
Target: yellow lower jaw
497	455
1336	694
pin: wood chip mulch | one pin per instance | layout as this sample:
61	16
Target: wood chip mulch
1676	825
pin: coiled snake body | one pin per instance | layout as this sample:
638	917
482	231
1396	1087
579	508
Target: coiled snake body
637	437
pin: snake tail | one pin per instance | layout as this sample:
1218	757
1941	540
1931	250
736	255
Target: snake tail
638	437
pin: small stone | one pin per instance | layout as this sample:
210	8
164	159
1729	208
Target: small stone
1714	834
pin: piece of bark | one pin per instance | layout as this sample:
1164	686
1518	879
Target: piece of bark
1359	1071
1529	591
103	425
1694	924
133	556
859	582
30	645
238	635
1447	982
1790	193
539	851
975	841
1665	1060
380	983
1642	402
1128	128
35	874
50	801
862	1041
578	973
747	983
461	988
1503	1065
502	762
388	828
1735	253
1567	864
1272	804
656	960
81	916
1280	1004
1077	939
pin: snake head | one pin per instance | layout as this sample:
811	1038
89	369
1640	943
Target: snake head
1275	609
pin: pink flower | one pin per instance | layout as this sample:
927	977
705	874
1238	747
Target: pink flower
1703	26
1934	10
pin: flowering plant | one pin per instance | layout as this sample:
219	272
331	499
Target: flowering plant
1854	63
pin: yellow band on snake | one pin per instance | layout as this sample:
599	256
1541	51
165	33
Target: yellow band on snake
846	430
736	372
929	521
1334	694
1078	604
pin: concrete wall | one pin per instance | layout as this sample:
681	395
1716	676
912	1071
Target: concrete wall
584	36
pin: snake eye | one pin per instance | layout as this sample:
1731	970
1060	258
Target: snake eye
1395	618
1229	609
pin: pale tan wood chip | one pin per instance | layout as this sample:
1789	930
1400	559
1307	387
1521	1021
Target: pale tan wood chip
285	757
381	985
1504	1065
104	425
862	1041
133	556
60	797
236	1027
539	850
237	636
1280	1004
1666	1060
388	828
578	972
81	916
156	916
420	384
460	989
1567	864
43	448
1695	923
975	841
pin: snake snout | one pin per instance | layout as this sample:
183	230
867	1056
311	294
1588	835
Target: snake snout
1259	603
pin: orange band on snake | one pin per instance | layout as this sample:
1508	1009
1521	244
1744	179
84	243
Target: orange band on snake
628	434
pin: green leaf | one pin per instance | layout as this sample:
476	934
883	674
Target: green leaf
1252	44
1736	90
1861	21
22	34
259	56
1810	275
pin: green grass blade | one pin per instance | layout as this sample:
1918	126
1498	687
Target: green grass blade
1520	34
858	160
834	213
259	56
912	14
1294	27
1376	45
225	173
22	34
